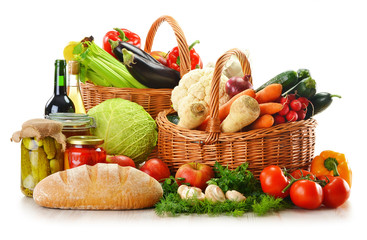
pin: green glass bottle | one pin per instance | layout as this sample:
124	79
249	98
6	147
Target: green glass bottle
60	102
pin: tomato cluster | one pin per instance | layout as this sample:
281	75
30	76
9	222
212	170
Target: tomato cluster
304	189
294	108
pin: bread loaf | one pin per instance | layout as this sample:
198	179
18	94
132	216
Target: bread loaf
102	186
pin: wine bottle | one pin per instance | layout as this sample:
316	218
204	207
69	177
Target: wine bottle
74	88
59	102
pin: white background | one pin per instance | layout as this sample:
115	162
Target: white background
327	37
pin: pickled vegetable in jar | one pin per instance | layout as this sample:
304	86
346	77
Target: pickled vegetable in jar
74	124
38	160
82	150
42	151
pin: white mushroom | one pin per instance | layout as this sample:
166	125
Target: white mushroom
186	192
214	193
234	195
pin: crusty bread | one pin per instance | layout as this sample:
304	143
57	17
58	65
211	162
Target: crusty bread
102	186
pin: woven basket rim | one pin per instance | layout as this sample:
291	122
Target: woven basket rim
163	122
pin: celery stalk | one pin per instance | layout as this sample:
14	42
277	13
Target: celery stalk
103	69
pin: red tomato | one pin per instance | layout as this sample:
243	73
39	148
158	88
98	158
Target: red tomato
297	174
121	160
306	194
336	192
156	168
273	181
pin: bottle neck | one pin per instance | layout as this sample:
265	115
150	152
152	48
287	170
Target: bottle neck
60	82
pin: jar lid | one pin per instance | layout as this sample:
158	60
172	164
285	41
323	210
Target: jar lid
85	140
73	120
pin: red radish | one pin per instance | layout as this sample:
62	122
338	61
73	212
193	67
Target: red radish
236	85
284	111
304	101
291	116
278	119
296	105
291	97
284	100
301	114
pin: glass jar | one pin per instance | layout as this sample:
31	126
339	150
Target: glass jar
82	150
74	124
38	160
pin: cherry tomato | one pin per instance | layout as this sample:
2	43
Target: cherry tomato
306	194
273	181
156	168
336	192
297	174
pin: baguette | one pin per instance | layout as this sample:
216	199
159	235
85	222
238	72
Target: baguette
102	186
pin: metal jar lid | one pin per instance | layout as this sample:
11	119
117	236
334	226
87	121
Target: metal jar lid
85	140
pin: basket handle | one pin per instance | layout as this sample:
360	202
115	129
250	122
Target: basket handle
184	53
214	122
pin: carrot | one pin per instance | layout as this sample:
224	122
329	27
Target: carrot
270	108
265	121
269	94
224	109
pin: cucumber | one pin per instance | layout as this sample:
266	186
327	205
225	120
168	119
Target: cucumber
305	88
287	79
173	119
319	103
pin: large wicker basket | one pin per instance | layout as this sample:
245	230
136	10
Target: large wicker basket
153	100
289	145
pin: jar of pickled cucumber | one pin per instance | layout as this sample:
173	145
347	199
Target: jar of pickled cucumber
38	160
42	151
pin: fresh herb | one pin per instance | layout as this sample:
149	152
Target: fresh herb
239	179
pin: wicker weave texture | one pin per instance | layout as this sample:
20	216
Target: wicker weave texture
289	145
152	100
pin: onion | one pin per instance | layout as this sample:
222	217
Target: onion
236	85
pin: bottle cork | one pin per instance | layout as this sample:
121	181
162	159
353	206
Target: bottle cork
73	67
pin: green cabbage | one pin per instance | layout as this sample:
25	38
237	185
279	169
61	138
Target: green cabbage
126	128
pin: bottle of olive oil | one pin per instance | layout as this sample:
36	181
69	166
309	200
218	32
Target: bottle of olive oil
59	102
74	87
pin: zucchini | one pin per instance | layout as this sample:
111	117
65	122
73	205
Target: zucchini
319	103
305	88
287	79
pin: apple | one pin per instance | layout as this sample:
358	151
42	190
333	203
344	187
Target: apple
160	57
156	168
197	174
121	160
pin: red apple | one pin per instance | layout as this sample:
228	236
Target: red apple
156	168
160	56
121	160
197	174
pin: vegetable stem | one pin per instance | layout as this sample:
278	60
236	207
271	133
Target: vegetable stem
331	164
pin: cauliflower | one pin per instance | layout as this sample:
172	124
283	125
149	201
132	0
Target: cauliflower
194	87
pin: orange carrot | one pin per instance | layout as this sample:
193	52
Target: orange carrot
270	108
264	121
269	94
224	109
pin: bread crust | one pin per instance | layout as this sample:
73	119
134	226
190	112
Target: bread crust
102	186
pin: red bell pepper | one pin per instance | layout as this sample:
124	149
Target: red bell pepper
120	35
173	58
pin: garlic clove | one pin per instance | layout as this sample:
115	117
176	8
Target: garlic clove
234	195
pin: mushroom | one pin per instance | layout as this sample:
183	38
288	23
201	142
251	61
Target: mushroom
186	192
214	193
234	195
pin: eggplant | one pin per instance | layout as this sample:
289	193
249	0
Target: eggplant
134	49
147	71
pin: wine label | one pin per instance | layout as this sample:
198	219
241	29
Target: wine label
61	82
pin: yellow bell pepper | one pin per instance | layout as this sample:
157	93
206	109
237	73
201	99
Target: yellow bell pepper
333	164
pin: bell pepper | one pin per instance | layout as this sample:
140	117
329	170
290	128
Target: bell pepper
332	163
173	58
120	35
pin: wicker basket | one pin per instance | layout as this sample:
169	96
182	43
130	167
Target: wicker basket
289	145
153	100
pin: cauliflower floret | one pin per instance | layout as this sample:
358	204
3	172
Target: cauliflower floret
195	87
